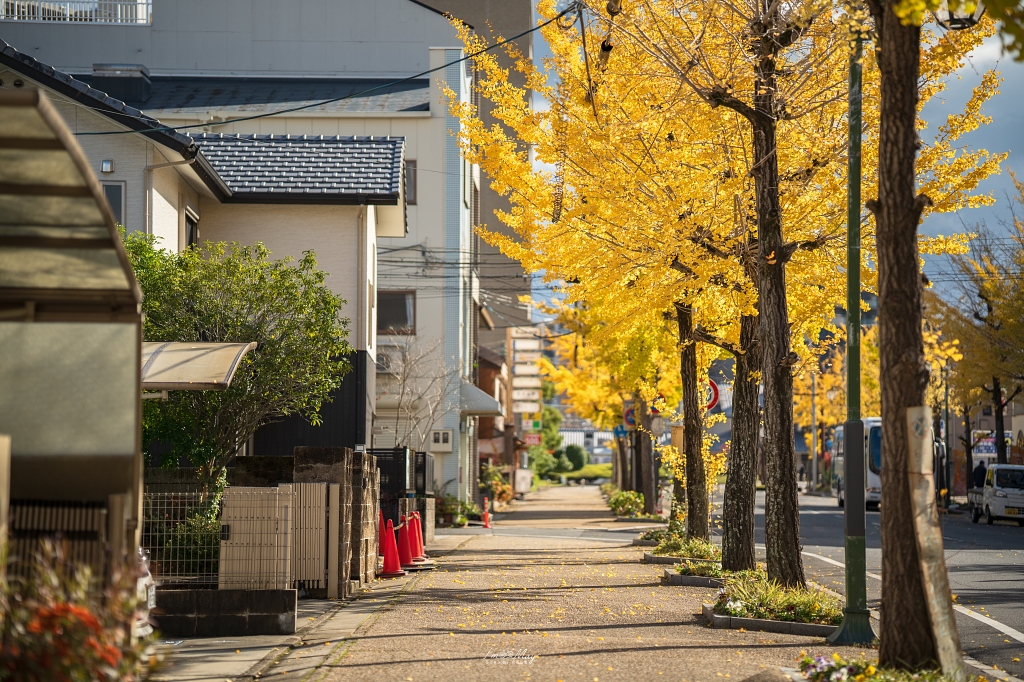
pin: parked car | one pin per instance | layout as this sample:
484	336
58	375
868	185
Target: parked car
1002	496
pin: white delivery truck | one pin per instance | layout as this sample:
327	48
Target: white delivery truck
1002	496
872	463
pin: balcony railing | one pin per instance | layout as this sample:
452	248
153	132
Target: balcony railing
79	11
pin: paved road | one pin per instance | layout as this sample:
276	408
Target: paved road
985	564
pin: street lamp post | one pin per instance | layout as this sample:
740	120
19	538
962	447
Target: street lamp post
856	625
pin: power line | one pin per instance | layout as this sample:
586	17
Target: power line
572	7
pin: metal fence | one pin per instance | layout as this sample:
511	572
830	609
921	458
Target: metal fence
75	11
252	538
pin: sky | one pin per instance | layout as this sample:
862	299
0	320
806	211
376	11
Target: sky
1004	134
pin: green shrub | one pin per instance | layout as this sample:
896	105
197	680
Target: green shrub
685	547
750	594
626	503
61	623
608	489
194	546
707	569
578	456
591	472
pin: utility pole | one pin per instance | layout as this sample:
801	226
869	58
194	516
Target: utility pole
856	625
814	432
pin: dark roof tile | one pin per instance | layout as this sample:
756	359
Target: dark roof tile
355	168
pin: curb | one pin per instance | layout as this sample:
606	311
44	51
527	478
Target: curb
637	542
661	559
716	620
673	578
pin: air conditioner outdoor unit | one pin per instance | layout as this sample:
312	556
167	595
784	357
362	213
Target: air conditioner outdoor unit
440	440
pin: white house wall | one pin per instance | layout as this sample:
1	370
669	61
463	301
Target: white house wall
332	232
303	38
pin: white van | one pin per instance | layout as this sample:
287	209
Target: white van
1002	496
872	463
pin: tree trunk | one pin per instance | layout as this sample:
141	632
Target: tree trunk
693	422
738	510
997	405
907	640
621	466
648	470
782	516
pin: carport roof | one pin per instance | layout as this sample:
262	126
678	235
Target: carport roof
60	254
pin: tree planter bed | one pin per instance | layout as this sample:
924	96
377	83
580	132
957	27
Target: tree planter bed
717	620
661	559
637	542
673	578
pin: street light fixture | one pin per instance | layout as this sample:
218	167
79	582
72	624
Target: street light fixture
961	17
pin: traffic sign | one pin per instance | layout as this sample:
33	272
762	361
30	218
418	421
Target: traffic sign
630	418
619	431
655	410
713	398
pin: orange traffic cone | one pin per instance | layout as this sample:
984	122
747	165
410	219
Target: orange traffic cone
404	549
392	563
380	535
418	554
487	513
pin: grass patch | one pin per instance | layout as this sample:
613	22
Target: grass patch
750	594
691	549
591	472
834	667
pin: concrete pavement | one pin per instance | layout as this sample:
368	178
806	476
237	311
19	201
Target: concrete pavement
529	601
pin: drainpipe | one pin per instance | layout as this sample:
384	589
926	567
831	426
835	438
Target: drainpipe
147	176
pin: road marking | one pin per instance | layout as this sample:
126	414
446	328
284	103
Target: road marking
1005	629
838	563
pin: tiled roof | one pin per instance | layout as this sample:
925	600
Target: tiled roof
317	168
81	91
202	94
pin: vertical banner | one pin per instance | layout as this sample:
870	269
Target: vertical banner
920	469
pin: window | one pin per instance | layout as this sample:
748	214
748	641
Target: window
410	182
1010	478
191	230
114	192
396	312
875	449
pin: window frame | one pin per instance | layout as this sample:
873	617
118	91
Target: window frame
190	215
411	331
124	198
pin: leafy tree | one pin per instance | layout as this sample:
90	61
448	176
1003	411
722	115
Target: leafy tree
551	419
577	455
233	293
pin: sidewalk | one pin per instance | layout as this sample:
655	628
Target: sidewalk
318	621
505	607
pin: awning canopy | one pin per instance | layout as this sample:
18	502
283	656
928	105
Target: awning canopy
475	402
171	366
60	255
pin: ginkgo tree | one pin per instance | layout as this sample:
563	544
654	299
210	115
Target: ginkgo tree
654	200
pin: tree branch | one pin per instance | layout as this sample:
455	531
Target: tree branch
702	335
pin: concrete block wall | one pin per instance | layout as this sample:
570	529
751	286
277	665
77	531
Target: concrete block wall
365	512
